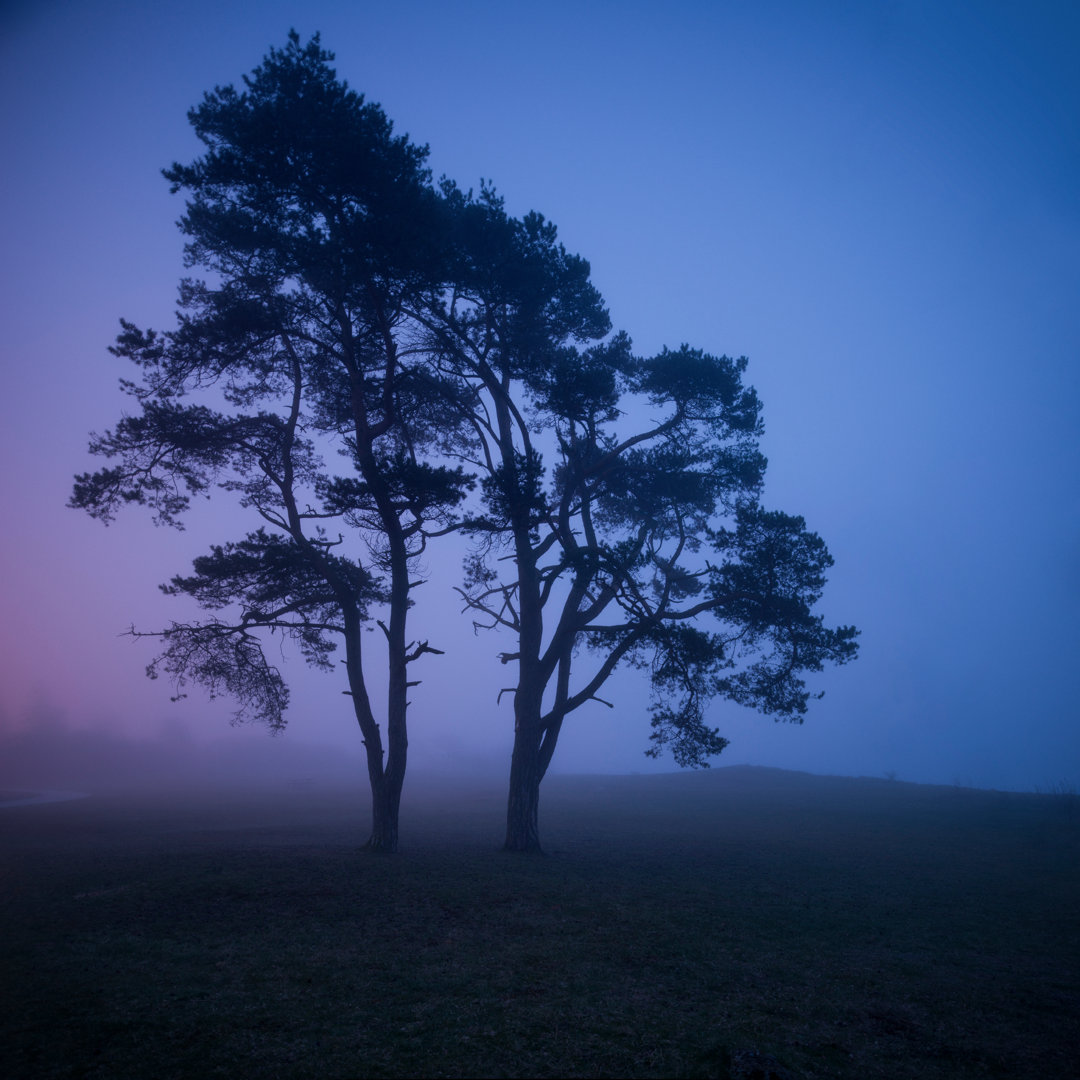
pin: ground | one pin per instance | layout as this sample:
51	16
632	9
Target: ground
730	923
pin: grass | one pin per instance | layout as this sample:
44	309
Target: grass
682	925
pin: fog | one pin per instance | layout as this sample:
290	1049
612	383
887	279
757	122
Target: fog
878	204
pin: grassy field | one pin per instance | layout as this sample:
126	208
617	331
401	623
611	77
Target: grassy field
735	923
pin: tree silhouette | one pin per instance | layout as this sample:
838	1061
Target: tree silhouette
350	308
644	541
317	231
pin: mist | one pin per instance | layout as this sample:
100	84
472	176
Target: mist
878	205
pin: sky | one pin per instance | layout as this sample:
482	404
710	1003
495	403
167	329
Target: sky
878	203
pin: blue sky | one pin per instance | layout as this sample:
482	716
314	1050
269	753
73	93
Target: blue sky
878	203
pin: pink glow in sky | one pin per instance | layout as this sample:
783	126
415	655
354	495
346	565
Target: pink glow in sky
879	204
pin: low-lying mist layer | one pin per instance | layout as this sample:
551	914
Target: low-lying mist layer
681	925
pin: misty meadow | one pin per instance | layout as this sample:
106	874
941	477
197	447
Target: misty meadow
739	922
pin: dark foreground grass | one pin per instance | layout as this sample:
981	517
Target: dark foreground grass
688	925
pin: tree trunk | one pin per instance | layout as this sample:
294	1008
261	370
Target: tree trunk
385	806
384	819
523	803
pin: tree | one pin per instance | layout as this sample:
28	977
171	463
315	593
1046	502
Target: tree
318	232
645	541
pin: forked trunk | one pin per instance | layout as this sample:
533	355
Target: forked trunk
386	785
